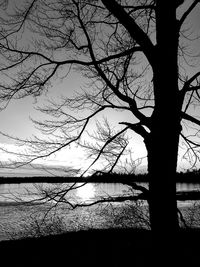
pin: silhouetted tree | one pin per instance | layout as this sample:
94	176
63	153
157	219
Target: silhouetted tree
136	57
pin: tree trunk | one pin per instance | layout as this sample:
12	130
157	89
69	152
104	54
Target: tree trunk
162	143
162	185
162	154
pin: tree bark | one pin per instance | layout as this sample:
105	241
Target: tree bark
162	184
163	140
162	163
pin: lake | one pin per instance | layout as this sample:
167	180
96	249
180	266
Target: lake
89	191
15	216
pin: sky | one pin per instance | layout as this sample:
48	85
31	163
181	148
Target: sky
15	120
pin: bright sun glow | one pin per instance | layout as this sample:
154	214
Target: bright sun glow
86	192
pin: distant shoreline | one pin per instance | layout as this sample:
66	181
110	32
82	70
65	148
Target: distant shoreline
187	177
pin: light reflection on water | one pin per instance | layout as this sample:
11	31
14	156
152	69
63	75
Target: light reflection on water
9	192
86	192
90	191
10	215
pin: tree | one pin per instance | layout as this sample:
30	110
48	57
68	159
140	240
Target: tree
134	56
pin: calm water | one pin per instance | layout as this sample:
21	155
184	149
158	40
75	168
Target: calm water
10	192
90	191
13	217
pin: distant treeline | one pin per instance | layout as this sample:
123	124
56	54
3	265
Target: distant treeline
181	177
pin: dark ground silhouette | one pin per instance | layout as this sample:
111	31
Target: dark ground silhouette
113	247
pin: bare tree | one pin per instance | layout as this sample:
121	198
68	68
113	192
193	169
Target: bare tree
135	56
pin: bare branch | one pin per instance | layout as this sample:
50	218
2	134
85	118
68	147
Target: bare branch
188	83
190	118
138	128
103	147
187	12
134	30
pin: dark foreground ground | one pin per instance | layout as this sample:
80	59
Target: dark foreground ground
117	247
